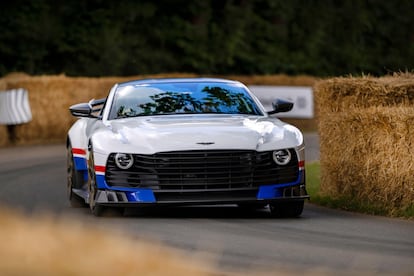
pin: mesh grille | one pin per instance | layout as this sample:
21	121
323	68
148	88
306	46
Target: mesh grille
202	170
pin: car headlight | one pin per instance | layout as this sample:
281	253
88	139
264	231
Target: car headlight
282	156
124	160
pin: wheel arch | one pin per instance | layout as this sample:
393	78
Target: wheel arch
77	135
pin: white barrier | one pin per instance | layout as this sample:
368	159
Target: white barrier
14	107
302	97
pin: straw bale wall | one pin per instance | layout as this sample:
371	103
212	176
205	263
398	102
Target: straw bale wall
43	244
51	96
49	99
366	128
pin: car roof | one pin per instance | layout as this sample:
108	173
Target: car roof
176	80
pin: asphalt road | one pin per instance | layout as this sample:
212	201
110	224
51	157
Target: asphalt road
33	179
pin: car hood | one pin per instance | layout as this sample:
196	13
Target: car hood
149	135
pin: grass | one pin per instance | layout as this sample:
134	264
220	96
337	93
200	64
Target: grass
313	180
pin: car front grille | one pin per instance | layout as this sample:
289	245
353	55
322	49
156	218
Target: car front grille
192	171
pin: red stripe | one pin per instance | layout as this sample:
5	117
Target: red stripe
302	164
78	151
100	169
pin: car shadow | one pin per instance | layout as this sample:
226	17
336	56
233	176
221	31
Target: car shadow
199	212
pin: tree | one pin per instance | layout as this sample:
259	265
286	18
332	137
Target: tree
103	37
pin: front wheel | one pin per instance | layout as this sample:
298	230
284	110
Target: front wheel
96	209
74	181
289	209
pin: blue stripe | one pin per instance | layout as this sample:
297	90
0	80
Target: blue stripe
80	163
101	182
133	194
142	195
276	190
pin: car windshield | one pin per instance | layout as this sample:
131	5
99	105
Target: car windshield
182	98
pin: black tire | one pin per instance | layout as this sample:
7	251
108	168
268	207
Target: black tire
96	209
74	180
289	209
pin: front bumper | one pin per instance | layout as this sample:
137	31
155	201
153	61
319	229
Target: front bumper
146	197
196	190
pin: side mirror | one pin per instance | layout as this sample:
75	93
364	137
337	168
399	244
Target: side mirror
280	105
81	110
91	109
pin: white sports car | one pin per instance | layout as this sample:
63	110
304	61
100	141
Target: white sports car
184	142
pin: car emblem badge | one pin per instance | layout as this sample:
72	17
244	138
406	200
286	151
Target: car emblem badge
205	143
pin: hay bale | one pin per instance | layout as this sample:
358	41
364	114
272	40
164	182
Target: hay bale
45	245
366	128
281	79
49	99
342	94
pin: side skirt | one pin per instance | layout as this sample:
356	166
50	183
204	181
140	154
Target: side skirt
82	193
